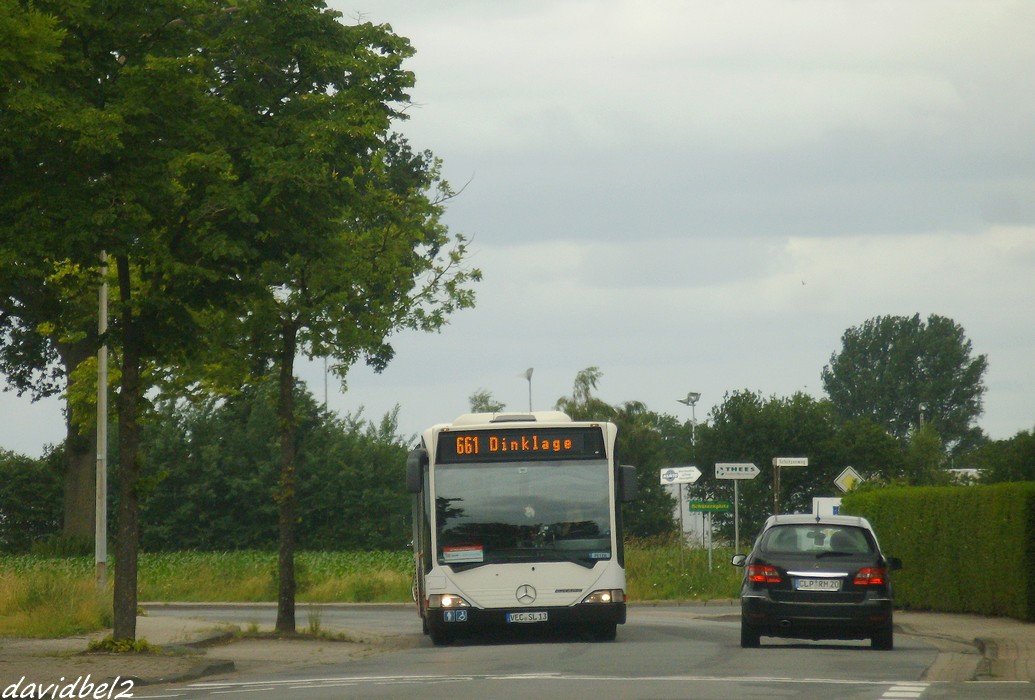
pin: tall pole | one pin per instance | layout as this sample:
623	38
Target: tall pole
528	376
736	516
101	506
710	536
691	400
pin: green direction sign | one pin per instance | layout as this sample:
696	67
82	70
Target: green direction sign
710	506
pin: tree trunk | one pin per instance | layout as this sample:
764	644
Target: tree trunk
286	493
80	485
128	531
80	457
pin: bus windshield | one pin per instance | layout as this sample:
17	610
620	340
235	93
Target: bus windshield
500	512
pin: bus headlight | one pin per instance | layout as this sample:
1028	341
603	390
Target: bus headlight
446	600
614	595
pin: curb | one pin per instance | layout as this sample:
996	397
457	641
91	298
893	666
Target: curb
211	668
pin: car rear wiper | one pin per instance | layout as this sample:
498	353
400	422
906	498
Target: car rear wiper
834	553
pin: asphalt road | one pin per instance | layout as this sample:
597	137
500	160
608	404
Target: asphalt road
663	652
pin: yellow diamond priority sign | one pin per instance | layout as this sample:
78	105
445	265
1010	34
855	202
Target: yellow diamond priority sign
847	479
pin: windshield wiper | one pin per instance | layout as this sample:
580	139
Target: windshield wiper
581	561
508	556
465	566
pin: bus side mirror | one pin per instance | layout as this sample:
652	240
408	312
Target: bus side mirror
630	486
415	463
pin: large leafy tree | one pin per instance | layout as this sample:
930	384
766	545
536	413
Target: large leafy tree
1007	460
354	211
125	146
38	349
47	330
213	466
747	427
870	450
234	163
30	44
30	503
900	371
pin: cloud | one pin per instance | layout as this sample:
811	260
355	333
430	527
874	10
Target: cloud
669	316
650	183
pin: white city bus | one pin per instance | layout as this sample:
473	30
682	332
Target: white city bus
517	523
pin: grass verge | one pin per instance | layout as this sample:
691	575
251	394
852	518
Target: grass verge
51	603
57	597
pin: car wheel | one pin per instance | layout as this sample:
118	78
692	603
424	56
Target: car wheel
884	639
750	637
606	632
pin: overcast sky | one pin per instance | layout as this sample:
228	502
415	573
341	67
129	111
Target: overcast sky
703	196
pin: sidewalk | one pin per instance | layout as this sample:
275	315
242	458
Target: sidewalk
970	648
64	661
189	649
1001	649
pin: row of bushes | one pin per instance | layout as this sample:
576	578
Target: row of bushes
969	550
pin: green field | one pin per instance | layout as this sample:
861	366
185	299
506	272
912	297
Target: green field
54	597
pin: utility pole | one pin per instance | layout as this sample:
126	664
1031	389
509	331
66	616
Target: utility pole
101	476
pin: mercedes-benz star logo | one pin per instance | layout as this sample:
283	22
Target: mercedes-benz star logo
525	594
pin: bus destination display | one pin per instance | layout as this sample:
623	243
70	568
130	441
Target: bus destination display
518	444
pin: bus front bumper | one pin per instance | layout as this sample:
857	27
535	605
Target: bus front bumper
583	616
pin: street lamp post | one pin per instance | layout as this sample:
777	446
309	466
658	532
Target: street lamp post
691	401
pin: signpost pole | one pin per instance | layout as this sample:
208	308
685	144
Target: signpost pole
736	515
711	540
682	526
783	462
682	531
736	471
678	477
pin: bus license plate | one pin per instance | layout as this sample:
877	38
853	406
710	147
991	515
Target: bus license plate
818	584
527	617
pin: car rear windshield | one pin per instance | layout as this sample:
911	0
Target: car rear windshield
817	539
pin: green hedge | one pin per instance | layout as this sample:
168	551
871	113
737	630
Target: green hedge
964	549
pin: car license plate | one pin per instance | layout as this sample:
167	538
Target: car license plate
527	617
817	584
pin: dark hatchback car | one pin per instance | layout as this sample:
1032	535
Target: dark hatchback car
816	577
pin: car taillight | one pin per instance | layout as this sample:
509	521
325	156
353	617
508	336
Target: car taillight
871	577
763	573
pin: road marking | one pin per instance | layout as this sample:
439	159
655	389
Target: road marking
898	690
265	688
905	691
